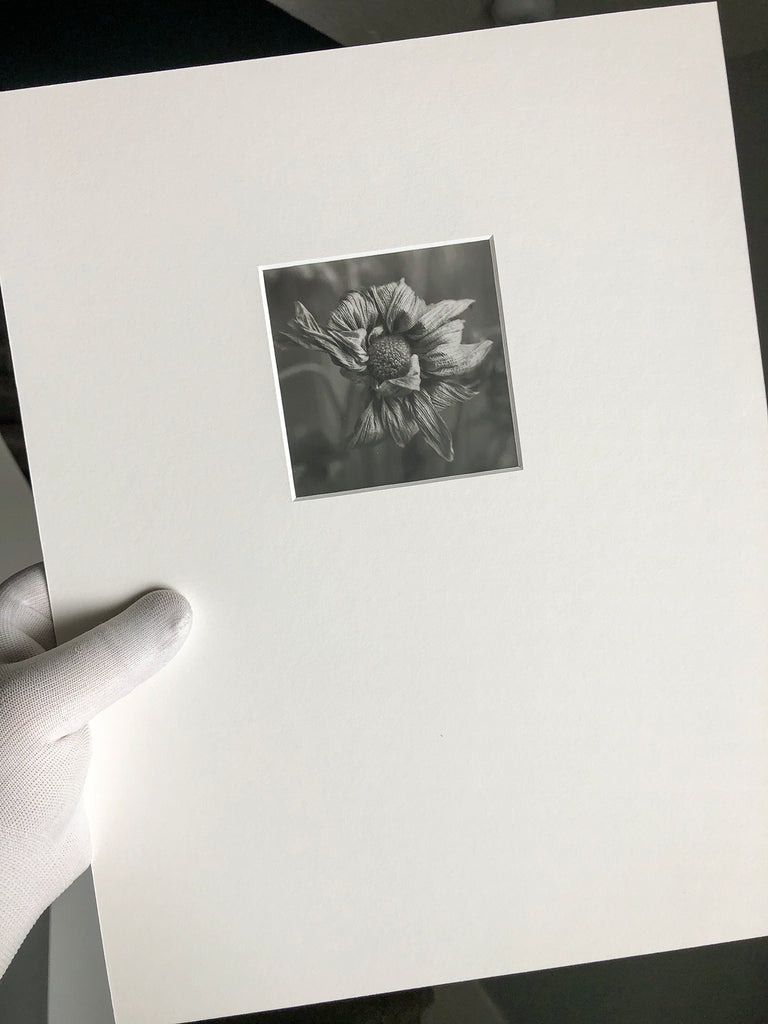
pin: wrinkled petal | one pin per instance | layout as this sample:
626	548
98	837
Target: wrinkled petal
303	323
438	314
369	429
446	393
398	386
381	296
404	309
398	421
345	348
432	426
354	311
446	334
454	360
351	347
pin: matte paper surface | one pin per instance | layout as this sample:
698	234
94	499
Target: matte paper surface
418	734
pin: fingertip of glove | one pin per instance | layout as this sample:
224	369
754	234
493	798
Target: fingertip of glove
172	613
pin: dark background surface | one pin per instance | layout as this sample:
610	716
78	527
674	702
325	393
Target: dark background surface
44	44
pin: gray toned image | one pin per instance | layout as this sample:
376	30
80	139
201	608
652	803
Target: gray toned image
392	368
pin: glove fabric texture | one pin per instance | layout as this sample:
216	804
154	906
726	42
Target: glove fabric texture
48	695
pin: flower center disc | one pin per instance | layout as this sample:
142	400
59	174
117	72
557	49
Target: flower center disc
389	356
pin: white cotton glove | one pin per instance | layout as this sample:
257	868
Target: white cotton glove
48	695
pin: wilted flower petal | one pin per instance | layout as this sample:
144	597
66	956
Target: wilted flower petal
346	348
438	314
410	381
354	311
369	429
432	426
405	308
396	420
303	322
446	334
454	360
351	345
381	296
446	393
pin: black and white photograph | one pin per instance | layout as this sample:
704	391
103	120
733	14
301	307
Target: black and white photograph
391	368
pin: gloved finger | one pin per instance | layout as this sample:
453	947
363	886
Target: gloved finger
26	624
72	683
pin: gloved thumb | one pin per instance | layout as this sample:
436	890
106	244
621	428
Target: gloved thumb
69	685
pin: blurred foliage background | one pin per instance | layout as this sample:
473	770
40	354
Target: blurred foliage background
321	407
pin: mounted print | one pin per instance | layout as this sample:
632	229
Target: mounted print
474	728
391	367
